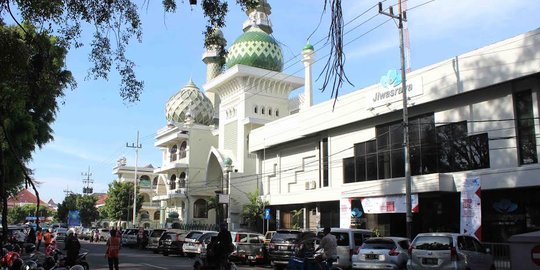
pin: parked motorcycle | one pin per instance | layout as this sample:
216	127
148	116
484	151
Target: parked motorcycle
58	262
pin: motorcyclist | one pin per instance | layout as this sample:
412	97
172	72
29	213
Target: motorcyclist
329	246
72	247
224	246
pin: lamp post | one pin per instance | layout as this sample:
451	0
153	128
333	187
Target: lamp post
227	190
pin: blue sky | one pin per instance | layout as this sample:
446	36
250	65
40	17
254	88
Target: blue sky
94	124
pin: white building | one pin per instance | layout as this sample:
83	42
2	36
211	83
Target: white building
473	115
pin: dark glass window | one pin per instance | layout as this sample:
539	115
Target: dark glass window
200	209
526	136
459	152
348	170
324	161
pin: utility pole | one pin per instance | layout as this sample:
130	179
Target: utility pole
87	182
402	17
137	146
67	191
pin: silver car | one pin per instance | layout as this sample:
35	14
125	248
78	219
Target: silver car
382	253
448	251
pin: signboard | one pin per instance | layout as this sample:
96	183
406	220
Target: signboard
535	255
74	218
223	198
390	90
345	213
471	207
267	214
389	204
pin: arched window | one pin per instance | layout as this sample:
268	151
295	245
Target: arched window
277	112
269	111
173	151
182	152
144	181
200	209
182	180
155	181
157	215
172	184
256	110
262	110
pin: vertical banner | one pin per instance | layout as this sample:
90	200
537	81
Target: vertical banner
345	213
74	218
471	207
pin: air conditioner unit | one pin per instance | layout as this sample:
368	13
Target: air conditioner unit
308	185
313	184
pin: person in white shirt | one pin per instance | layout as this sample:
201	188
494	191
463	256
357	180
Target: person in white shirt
329	246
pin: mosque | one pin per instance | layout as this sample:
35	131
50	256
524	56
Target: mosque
474	116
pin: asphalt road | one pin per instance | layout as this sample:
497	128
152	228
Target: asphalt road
135	259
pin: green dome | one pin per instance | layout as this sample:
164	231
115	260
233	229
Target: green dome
257	49
308	47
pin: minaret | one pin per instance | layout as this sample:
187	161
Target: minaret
214	60
259	17
307	58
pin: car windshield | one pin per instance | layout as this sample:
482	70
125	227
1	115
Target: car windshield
286	236
156	233
433	242
379	244
194	235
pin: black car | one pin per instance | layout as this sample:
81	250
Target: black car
171	242
286	243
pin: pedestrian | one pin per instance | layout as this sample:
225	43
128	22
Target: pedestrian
31	237
39	237
50	248
48	238
113	249
329	246
72	248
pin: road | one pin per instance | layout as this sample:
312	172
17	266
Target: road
135	259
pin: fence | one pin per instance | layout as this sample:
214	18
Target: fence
501	255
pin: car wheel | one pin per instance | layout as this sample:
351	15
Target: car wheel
85	265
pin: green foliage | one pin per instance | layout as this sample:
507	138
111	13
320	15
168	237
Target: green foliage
18	214
297	219
119	203
85	204
254	211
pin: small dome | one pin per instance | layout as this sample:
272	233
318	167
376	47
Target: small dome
308	47
257	49
190	102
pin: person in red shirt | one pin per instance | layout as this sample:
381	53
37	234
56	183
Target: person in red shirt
113	249
39	237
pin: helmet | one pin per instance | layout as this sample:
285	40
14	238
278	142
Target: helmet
70	232
77	267
29	248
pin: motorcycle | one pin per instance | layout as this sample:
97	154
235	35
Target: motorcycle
58	261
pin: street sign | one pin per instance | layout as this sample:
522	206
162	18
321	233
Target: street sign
535	255
267	214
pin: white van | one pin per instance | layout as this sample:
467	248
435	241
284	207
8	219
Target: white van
347	242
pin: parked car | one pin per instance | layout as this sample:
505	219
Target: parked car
129	238
248	247
171	242
153	239
16	234
194	247
285	243
268	236
59	234
348	240
84	234
448	251
382	253
104	234
192	236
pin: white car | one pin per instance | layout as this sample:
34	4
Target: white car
196	241
382	253
60	234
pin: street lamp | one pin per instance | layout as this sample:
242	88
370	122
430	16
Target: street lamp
227	190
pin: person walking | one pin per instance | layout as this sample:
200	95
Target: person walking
47	238
72	247
329	246
113	249
31	238
39	237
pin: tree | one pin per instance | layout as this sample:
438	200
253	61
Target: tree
86	205
18	214
119	203
254	211
32	80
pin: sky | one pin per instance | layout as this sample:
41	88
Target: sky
94	124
